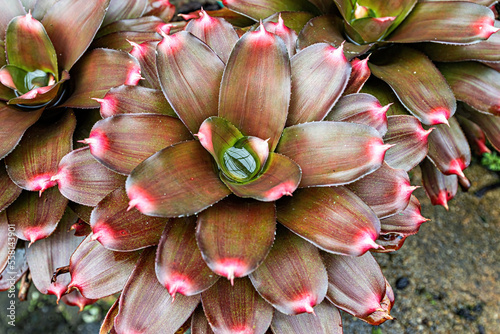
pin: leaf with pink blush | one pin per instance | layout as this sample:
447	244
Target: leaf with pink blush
236	19
121	10
448	148
199	323
333	153
360	108
36	216
406	222
179	180
35	160
82	179
439	188
453	23
395	186
385	95
190	74
15	269
260	67
288	30
14	124
120	229
372	29
292	277
145	53
325	320
28	46
409	138
162	9
11	9
489	124
475	84
235	235
97	72
98	272
331	218
279	177
217	33
9	191
122	142
474	134
8	240
419	85
320	73
357	286
359	74
179	265
75	298
127	99
236	308
67	16
329	29
261	9
46	255
145	305
485	50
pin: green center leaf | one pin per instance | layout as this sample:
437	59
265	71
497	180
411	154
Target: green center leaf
240	163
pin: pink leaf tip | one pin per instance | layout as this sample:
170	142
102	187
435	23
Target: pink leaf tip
439	116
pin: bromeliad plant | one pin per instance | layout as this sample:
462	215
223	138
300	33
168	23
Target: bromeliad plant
251	179
51	64
435	60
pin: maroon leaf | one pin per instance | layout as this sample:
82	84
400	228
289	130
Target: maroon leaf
387	191
97	72
356	285
8	240
462	22
448	148
237	308
332	218
163	9
179	265
440	188
215	32
190	74
122	40
75	298
180	180
146	55
9	191
420	87
14	124
119	229
83	180
82	211
120	10
35	216
321	148
235	235
280	176
15	269
405	132
292	278
489	124
359	74
475	84
98	272
276	25
360	108
127	99
154	311
475	135
66	17
320	73
46	255
370	29
107	325
122	142
259	66
325	320
261	9
328	29
141	24
406	222
34	162
199	323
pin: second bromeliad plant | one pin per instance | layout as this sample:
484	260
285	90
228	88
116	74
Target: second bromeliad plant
254	160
